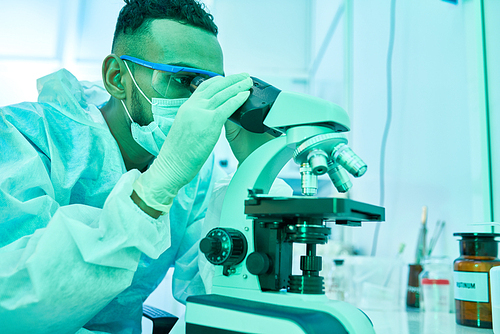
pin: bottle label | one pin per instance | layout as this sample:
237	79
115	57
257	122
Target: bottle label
471	286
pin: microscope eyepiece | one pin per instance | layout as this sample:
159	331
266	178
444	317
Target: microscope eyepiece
195	83
252	113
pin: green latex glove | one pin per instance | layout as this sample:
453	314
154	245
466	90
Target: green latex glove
244	142
194	133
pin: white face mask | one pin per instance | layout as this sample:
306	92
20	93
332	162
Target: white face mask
152	136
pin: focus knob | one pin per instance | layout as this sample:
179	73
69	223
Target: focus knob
210	245
224	246
258	263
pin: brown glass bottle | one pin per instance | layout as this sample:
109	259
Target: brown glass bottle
478	254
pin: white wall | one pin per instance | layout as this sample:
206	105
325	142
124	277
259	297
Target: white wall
40	37
436	146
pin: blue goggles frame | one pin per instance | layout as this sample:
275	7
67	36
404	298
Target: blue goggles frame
168	68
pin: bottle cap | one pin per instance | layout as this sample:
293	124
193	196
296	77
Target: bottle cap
476	235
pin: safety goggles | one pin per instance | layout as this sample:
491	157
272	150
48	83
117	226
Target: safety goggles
171	81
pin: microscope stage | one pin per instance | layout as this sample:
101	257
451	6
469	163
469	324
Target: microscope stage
341	210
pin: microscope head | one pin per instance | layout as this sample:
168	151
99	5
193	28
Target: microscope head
292	109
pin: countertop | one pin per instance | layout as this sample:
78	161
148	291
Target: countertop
414	322
404	322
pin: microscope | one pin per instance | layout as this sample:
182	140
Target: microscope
254	290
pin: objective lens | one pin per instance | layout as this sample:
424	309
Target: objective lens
339	177
309	181
318	161
345	156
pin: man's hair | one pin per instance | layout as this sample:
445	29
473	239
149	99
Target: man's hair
135	18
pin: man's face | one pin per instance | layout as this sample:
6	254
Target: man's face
172	43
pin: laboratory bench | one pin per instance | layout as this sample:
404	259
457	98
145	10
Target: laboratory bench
403	322
415	322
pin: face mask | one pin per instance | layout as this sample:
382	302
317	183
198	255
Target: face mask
152	136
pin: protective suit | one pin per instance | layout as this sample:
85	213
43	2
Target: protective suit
75	251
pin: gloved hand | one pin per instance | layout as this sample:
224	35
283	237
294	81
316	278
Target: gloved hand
244	142
194	133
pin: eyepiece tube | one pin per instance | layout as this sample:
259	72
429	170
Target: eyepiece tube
195	83
252	113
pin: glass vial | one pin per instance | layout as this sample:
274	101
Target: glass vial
435	288
337	283
478	254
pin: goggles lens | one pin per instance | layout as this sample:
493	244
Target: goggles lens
174	85
171	81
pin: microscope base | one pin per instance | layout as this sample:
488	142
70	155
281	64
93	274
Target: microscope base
210	314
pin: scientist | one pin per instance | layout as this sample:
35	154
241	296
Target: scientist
100	193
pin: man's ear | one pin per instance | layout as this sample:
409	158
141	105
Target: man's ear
113	72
